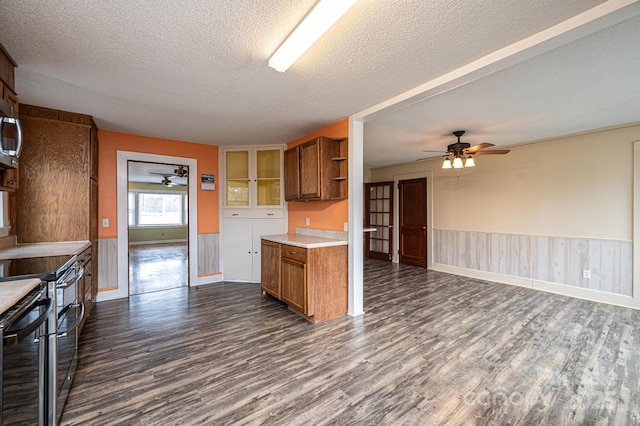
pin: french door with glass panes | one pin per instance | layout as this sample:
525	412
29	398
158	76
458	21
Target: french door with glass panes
379	216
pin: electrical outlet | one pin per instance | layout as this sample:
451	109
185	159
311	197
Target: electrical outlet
105	223
307	221
346	226
586	274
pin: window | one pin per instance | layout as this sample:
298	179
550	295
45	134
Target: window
157	209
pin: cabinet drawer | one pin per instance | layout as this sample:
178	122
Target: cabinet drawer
268	213
254	213
292	252
84	257
238	213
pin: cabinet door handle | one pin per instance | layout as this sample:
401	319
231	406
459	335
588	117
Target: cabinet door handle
234	214
292	252
269	214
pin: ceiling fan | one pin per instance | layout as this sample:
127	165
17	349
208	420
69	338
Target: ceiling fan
459	151
180	172
168	182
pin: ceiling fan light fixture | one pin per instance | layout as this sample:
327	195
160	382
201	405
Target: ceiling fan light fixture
468	162
309	30
446	164
457	163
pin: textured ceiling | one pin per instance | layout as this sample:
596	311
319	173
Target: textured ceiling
197	70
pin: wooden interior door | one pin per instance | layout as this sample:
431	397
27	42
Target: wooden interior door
413	221
379	215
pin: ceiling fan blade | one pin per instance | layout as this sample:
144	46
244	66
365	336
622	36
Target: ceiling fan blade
475	148
493	152
163	175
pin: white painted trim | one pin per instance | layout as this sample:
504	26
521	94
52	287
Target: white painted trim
122	237
141	243
209	279
105	295
593	20
549	287
636	224
355	235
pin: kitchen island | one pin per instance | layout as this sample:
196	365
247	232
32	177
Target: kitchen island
307	272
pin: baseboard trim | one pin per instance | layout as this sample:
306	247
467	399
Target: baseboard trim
546	286
139	243
208	279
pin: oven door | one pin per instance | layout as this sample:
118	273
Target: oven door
23	374
69	315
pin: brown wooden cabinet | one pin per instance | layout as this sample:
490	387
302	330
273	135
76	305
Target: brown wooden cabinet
294	279
316	170
312	281
87	288
58	195
8	177
270	271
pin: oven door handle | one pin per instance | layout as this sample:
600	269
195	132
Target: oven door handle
70	277
76	323
13	337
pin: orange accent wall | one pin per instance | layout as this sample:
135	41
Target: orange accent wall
111	142
322	214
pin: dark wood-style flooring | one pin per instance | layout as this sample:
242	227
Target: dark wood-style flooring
154	267
432	348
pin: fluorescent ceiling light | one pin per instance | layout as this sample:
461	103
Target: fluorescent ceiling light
317	22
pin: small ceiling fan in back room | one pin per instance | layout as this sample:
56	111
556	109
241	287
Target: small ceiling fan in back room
168	182
460	154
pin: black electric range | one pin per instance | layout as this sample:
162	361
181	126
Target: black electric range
48	268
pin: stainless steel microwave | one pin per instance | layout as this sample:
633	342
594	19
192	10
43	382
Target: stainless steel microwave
10	137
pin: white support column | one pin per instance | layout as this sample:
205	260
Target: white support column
356	181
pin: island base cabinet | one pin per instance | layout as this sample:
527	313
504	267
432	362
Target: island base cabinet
313	281
270	271
294	285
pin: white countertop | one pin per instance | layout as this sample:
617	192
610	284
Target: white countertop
22	251
12	291
305	241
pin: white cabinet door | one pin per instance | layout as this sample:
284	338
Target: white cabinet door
263	227
241	246
237	249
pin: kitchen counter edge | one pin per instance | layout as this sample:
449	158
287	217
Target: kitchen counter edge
22	251
304	241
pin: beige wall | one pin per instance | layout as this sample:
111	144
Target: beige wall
579	186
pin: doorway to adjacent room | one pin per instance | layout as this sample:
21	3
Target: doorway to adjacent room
412	206
157	226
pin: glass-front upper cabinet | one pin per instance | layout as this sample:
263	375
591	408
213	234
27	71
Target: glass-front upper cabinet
253	177
268	176
237	182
